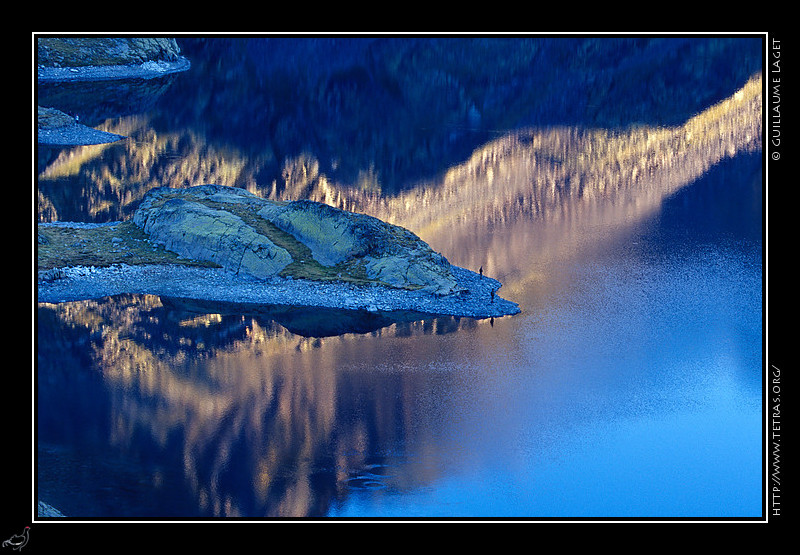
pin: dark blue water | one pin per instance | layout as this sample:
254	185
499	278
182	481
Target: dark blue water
630	385
634	391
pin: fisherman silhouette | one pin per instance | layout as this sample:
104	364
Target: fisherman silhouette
480	271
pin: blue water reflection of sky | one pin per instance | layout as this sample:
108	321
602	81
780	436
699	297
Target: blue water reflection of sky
636	393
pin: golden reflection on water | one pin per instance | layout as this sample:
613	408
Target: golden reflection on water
288	405
535	194
224	383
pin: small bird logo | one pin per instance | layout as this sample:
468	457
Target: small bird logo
18	541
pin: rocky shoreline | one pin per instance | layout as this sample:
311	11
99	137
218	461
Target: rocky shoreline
75	59
45	510
147	70
479	300
300	254
67	131
75	134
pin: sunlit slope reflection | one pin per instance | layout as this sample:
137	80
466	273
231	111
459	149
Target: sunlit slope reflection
481	212
264	422
102	183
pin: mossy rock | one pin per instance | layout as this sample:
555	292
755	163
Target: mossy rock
250	235
385	253
185	225
100	51
50	118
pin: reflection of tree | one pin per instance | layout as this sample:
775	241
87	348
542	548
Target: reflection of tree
105	182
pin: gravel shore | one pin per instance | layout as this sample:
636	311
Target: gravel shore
75	135
146	70
213	284
45	510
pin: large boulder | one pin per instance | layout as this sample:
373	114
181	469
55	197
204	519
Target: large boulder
250	235
179	220
332	235
387	253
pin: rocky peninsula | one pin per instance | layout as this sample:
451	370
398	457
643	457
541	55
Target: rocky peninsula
224	244
99	58
71	59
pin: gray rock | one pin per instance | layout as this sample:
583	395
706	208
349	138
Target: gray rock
417	269
186	226
242	233
332	235
390	254
102	51
45	510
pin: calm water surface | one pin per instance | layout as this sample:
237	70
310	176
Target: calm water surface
630	385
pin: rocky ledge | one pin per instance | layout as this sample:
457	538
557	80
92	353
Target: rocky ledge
56	128
98	58
225	244
71	59
145	70
45	510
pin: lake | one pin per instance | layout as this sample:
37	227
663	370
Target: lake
630	386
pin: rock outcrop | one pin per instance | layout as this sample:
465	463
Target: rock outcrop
96	59
45	510
249	235
186	225
101	51
55	127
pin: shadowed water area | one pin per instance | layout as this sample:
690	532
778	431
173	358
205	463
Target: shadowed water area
614	187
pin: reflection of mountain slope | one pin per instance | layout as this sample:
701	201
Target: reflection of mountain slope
249	409
262	422
561	174
403	109
563	178
384	113
178	395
